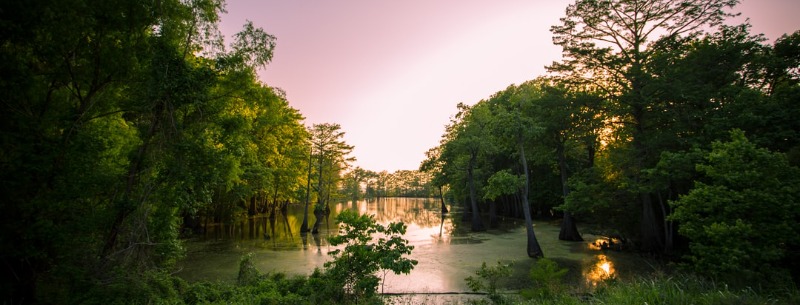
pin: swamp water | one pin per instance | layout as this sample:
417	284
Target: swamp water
444	246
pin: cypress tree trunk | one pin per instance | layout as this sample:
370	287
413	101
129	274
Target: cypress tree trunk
477	223
533	248
669	228
304	226
441	197
569	230
651	231
493	222
251	209
318	214
651	238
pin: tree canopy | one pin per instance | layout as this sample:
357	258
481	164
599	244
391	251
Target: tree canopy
124	122
627	130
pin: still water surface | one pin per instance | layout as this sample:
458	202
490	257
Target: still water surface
445	248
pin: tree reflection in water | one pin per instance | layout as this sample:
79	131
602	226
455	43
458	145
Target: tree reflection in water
426	224
446	249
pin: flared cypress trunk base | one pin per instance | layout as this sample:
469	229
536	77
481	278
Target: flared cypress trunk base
569	230
534	250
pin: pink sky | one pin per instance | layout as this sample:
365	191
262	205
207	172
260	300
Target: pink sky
392	72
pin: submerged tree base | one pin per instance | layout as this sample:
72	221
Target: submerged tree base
569	230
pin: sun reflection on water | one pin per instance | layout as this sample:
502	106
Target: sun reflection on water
607	243
597	244
602	269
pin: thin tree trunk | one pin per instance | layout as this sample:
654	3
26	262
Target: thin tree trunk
668	235
569	230
124	207
318	209
251	209
477	223
467	211
533	249
441	226
304	226
441	197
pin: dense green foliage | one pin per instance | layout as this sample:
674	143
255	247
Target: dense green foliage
317	288
622	135
741	217
124	124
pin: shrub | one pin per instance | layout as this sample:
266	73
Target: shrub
354	268
153	286
248	274
547	279
487	280
741	219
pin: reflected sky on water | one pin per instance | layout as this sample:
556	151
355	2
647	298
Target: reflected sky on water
446	250
422	216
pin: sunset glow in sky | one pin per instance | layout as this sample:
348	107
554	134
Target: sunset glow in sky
392	72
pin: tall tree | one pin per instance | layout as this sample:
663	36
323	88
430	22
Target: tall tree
512	132
353	180
533	248
466	145
433	166
570	119
606	44
331	156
